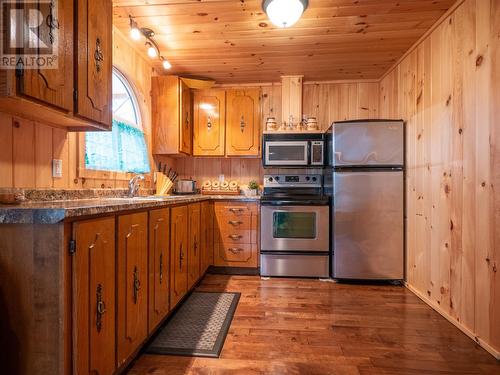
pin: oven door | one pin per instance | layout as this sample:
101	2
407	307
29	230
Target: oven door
295	228
286	153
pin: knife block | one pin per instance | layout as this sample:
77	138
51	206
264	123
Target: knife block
163	184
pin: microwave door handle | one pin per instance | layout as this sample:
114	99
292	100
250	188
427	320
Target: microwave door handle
309	157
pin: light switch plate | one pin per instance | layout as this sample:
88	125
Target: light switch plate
221	178
57	168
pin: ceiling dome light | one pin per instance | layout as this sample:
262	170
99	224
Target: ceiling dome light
284	13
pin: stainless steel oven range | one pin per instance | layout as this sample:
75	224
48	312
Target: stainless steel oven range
295	222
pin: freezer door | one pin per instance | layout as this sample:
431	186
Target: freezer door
368	225
376	143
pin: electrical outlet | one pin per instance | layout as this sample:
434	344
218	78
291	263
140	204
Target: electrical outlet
221	178
57	168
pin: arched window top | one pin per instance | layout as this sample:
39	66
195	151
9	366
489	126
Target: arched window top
125	107
124	149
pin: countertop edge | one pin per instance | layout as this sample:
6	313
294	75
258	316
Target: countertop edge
44	214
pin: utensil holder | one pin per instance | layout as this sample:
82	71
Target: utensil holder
163	184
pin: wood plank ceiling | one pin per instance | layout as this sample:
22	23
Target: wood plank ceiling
232	41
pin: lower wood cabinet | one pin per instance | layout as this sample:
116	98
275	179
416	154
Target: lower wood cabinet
159	261
194	255
236	234
129	271
206	236
94	297
132	283
179	243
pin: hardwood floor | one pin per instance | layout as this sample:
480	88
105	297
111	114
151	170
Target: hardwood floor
294	326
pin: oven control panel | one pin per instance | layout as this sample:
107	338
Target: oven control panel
302	180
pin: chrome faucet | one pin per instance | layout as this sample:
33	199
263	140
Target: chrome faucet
133	185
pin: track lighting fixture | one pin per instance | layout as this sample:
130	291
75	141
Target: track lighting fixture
153	51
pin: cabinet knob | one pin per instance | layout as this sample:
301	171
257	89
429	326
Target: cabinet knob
209	123
234	222
235	236
235	250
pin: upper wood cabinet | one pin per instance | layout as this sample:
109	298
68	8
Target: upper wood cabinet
94	297
227	122
132	287
172	116
209	111
179	253
243	122
159	261
54	86
94	48
76	94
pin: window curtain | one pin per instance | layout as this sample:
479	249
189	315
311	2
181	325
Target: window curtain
123	149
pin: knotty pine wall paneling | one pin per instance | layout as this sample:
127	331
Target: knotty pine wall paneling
447	89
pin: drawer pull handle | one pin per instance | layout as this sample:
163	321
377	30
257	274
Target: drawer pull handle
137	285
181	257
233	222
236	209
235	236
161	268
235	250
100	307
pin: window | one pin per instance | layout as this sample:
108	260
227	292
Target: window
124	148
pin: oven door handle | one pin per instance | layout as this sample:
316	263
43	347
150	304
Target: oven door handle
294	203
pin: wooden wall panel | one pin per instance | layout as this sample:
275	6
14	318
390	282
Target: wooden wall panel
23	140
447	91
330	102
6	145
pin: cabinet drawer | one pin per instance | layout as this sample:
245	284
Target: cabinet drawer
237	209
233	223
234	236
237	255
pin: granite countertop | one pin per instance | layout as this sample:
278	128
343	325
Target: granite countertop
55	211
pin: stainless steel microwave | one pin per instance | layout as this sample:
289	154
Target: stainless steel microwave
293	150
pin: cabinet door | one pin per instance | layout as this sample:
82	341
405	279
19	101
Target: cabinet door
94	297
159	260
179	249
243	123
209	108
194	256
206	235
94	60
132	283
186	123
53	86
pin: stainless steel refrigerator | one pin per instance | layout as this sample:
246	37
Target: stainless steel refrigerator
366	180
